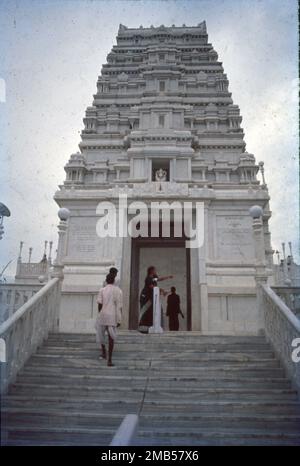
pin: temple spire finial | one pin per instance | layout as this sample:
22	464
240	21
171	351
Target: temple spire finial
262	171
202	25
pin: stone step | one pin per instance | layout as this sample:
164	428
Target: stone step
276	423
42	418
58	435
169	356
198	406
157	352
93	361
156	393
97	436
130	336
112	421
159	345
257	406
77	442
223	393
157	382
145	417
161	441
130	394
195	372
195	432
218	439
171	373
188	390
136	347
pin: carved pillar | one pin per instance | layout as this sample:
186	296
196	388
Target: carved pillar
269	250
57	270
202	253
63	214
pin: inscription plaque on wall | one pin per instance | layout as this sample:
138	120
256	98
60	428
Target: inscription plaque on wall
234	238
82	242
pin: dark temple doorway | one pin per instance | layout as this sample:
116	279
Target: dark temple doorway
170	257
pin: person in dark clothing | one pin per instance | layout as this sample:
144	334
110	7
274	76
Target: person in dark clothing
146	299
173	309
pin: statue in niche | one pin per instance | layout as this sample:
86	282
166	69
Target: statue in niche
161	175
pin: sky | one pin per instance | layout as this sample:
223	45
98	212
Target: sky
51	55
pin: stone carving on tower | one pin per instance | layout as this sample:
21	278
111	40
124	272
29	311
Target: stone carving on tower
161	175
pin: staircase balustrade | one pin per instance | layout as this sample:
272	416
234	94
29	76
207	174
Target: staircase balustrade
282	328
23	332
290	295
14	295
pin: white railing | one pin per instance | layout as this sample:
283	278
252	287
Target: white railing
32	269
13	296
27	328
290	295
282	327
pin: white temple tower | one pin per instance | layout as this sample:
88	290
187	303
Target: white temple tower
162	103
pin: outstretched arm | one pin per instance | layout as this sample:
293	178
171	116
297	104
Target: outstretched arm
161	279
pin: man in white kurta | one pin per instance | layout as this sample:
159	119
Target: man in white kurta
110	306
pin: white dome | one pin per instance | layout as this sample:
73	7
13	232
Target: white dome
255	211
63	213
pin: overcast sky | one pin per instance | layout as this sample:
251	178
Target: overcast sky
51	54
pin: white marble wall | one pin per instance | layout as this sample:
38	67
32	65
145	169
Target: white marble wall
86	263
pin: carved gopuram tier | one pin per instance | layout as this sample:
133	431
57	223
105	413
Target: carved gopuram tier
163	126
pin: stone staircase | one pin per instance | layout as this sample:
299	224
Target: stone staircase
188	389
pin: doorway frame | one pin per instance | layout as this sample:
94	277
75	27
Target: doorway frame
136	245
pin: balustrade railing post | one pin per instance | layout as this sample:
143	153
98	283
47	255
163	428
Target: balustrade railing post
261	275
156	327
57	270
